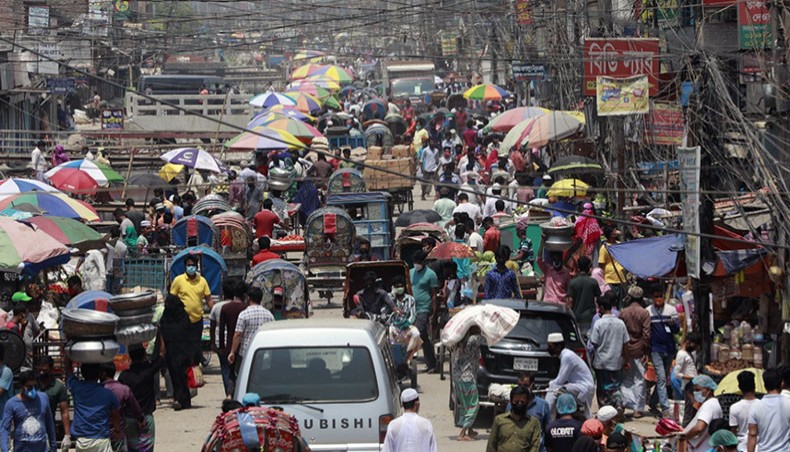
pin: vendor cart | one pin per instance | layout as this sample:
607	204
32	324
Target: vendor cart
394	176
290	280
372	216
329	240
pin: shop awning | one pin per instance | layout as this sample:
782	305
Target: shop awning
648	258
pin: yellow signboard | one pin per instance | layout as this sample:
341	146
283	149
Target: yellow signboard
622	96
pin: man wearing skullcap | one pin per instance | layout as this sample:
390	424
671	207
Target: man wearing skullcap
637	321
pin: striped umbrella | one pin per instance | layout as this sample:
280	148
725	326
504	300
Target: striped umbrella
74	181
312	56
265	139
306	103
304	71
311	89
69	232
194	158
302	131
267	100
317	80
25	248
485	92
14	186
99	172
554	126
334	72
507	120
52	204
291	112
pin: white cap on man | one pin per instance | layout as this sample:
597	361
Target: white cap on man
555	337
606	413
409	395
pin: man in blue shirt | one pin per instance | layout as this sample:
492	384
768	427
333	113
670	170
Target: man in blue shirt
34	425
424	285
95	409
6	381
664	324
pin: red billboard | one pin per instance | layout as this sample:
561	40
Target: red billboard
620	58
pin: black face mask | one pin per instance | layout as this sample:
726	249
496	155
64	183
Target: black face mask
519	409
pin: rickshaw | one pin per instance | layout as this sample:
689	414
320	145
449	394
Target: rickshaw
397	126
282	277
371	213
385	271
339	137
235	233
195	230
212	267
210	205
378	134
346	180
410	239
329	240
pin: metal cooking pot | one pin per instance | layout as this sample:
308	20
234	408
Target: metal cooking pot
280	179
132	301
87	323
558	238
135	334
92	352
138	319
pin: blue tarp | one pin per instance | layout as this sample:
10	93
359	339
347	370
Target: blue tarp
648	258
737	260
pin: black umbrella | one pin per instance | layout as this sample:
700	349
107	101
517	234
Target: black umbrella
417	216
147	180
576	164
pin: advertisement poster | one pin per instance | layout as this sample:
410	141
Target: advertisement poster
754	24
524	13
622	96
112	119
665	124
620	57
689	160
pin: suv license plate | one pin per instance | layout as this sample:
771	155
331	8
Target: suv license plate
529	364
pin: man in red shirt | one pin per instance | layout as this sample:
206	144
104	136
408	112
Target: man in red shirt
491	236
469	135
265	220
264	254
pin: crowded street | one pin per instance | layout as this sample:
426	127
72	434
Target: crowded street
527	226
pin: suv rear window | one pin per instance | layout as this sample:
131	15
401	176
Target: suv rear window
536	328
313	374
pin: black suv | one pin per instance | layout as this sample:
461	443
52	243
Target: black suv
525	348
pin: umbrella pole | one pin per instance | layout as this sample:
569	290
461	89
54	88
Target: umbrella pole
128	174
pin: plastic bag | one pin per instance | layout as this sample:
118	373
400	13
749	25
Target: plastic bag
195	377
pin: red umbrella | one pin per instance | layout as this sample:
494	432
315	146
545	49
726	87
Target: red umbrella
74	181
451	250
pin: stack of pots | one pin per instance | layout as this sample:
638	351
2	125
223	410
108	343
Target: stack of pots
91	335
558	237
136	313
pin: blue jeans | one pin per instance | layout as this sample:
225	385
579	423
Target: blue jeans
228	374
662	363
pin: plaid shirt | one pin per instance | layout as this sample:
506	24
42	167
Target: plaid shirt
249	321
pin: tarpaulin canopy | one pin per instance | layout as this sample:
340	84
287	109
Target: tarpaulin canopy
648	258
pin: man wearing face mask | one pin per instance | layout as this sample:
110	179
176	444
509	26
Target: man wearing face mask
193	290
574	376
29	412
515	431
57	394
696	433
424	286
372	300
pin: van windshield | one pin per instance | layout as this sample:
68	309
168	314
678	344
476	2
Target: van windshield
313	374
412	87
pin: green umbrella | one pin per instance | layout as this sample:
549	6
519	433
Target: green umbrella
68	231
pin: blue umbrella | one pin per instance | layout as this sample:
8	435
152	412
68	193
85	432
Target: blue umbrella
290	112
267	100
194	158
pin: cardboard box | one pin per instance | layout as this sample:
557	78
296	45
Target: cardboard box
374	153
397	175
401	151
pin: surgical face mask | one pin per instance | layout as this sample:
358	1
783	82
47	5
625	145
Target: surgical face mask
418	267
519	409
398	290
31	393
191	270
698	397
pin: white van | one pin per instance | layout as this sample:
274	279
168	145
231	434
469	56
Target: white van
337	377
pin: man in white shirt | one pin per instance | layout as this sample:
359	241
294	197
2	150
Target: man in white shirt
429	163
410	432
489	210
739	411
38	162
574	375
769	419
475	240
473	210
696	432
786	381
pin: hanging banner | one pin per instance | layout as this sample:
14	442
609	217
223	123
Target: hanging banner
524	13
665	125
667	13
754	24
121	10
449	44
689	161
620	57
622	96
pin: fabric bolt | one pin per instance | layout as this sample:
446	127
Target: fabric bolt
250	320
410	432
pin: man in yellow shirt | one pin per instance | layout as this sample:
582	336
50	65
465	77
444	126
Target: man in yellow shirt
192	289
614	273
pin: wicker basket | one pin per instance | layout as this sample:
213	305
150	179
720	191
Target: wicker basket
132	301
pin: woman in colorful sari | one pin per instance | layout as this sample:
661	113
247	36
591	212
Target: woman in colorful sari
465	361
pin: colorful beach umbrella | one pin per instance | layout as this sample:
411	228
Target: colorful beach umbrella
311	56
74	181
315	80
15	214
264	138
52	204
304	71
304	132
334	72
196	158
485	92
311	89
15	186
331	102
291	112
100	172
507	120
306	103
267	100
26	248
69	232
